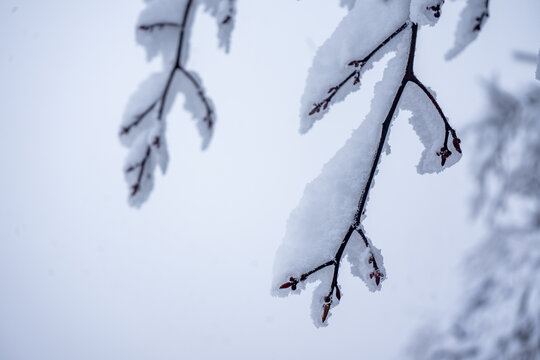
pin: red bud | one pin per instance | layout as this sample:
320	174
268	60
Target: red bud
326	308
456	142
286	285
135	189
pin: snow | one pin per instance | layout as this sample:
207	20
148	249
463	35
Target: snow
347	3
196	106
225	13
317	226
472	20
426	12
159	30
146	95
429	127
360	31
162	41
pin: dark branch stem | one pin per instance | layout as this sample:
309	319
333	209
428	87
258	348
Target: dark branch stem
356	73
138	118
356	63
481	19
163	98
177	61
200	93
444	152
137	186
160	25
409	76
227	19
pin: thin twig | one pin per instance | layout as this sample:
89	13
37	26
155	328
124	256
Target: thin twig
355	74
160	25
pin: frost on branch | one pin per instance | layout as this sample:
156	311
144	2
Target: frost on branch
164	28
327	224
472	21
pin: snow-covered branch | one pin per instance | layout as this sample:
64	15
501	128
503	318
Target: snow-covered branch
328	211
355	74
143	128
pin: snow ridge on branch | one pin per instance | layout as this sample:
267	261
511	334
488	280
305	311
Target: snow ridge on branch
472	21
327	224
164	27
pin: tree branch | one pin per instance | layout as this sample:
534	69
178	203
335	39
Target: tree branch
355	225
356	73
444	152
481	19
162	100
141	166
159	26
138	118
230	13
209	117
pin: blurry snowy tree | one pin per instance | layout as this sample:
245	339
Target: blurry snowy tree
164	27
500	316
327	224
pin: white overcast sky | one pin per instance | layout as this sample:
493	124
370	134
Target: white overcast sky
83	276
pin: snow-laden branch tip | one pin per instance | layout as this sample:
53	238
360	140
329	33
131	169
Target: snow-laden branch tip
327	224
164	28
473	19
